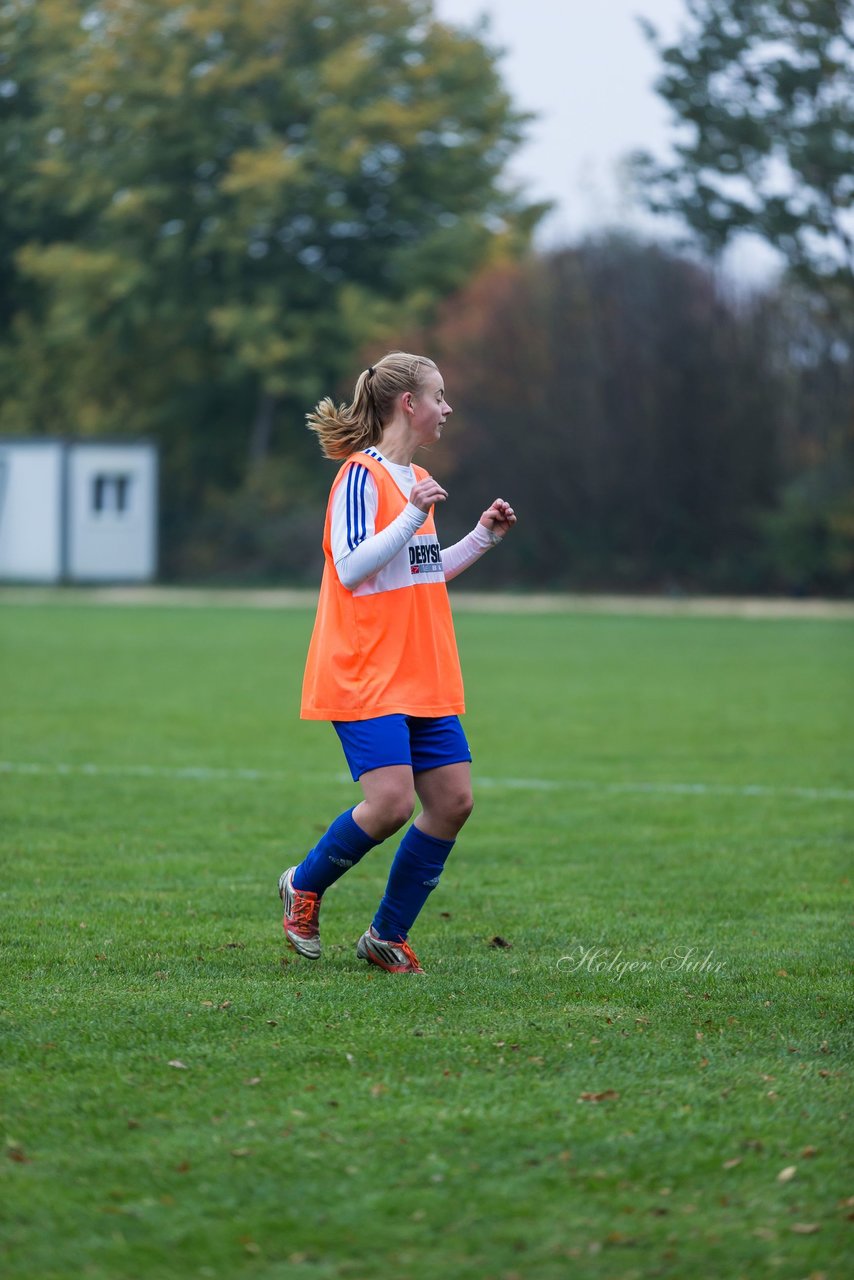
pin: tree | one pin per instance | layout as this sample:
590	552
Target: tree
205	207
761	92
808	537
642	403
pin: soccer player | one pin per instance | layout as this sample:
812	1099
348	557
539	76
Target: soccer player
382	664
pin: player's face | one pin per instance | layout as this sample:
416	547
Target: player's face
431	409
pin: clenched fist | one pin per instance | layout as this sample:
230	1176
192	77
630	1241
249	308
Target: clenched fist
499	518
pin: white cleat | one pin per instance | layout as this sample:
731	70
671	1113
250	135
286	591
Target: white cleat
302	909
395	957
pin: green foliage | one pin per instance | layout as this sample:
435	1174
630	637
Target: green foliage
761	93
204	209
337	1122
268	528
809	538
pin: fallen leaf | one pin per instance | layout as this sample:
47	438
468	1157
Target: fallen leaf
178	1064
240	1152
253	1080
731	1164
786	1175
806	1228
378	1089
607	1095
809	1152
499	942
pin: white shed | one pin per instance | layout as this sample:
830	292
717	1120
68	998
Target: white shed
77	511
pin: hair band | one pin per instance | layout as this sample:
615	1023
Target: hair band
370	370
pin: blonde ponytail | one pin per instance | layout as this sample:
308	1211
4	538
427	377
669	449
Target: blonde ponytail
349	428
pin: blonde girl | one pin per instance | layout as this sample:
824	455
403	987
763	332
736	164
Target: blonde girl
382	664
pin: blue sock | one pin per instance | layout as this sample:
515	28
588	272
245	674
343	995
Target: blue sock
414	874
335	852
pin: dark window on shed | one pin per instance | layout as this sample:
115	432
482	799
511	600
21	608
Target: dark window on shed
111	492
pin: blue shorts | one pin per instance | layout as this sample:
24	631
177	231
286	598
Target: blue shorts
420	742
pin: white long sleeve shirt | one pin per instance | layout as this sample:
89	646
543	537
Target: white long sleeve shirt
359	551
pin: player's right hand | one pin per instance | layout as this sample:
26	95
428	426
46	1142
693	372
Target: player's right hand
427	492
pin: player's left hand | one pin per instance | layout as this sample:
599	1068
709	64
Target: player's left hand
499	518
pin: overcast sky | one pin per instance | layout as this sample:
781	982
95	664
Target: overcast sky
586	69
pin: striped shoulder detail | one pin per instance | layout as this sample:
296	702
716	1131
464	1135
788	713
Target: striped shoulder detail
372	453
357	478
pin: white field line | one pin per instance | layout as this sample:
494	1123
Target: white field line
204	773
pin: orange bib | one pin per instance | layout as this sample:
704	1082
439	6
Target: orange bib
388	647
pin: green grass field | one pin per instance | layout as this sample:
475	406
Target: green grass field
651	1081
